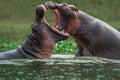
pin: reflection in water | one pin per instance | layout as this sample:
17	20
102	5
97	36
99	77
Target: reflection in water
86	68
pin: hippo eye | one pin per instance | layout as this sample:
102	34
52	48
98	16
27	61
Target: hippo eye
65	4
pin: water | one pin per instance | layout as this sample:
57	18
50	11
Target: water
61	67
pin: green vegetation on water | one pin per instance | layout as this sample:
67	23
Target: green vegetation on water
16	17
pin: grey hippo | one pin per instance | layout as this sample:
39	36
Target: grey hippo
40	42
93	36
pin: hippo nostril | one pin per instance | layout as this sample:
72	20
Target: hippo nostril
50	4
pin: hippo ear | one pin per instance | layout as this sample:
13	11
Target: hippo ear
73	8
35	26
32	26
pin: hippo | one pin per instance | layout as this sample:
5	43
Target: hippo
93	36
39	43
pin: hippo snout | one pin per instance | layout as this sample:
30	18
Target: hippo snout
53	5
50	5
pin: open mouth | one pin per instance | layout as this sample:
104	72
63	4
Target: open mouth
54	28
57	22
60	24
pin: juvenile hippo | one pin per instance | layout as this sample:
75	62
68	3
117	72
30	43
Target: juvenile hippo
93	36
40	42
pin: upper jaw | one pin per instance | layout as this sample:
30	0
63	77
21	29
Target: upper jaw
52	5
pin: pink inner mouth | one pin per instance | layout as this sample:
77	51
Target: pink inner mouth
57	22
57	18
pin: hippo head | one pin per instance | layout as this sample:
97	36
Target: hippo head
41	41
66	15
41	28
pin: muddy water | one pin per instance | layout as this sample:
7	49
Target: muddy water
61	67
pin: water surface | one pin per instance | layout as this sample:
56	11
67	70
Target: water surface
61	67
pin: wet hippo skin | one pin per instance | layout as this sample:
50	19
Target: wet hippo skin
39	43
93	36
